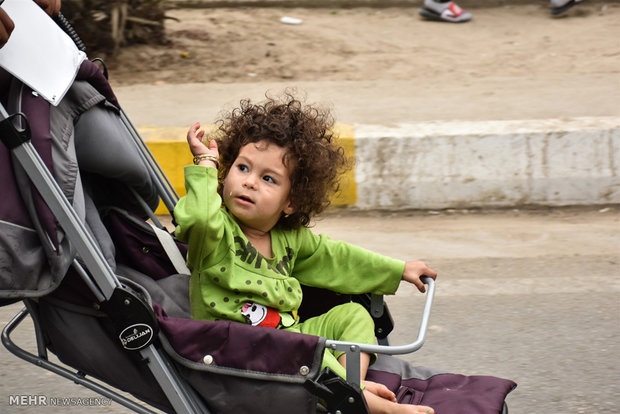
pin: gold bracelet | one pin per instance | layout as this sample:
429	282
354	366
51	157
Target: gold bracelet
202	157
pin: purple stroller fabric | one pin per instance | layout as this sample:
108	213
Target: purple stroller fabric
447	393
238	346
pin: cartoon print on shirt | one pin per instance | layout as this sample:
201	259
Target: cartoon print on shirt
259	315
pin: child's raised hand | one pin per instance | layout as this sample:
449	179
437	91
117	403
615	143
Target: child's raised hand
196	146
414	270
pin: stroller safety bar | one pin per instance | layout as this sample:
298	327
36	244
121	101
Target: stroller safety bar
353	349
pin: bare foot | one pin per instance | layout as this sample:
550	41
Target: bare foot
380	405
380	390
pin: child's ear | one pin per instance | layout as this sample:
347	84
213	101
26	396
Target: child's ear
289	209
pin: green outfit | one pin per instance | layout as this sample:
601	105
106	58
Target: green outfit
228	272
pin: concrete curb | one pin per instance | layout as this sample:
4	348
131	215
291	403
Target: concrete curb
437	165
551	162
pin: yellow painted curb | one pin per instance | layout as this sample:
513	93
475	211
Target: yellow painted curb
169	148
348	193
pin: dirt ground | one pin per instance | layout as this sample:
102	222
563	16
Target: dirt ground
519	44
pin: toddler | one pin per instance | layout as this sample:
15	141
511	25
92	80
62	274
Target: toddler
251	194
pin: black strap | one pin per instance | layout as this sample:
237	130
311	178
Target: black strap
11	135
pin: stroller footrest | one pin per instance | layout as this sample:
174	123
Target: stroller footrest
337	394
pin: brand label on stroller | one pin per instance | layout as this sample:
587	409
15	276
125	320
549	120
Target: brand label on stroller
136	336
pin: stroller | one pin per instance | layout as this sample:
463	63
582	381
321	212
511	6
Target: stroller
106	286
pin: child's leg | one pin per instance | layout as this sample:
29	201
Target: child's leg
378	397
372	387
351	322
347	322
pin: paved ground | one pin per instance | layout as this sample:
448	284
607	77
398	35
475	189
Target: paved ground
531	296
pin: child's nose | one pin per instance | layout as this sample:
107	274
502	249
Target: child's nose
250	181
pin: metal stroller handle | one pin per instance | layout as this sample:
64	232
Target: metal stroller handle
353	349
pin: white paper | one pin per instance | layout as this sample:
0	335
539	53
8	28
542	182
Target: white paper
38	52
291	20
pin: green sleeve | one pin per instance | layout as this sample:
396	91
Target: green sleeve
345	268
200	221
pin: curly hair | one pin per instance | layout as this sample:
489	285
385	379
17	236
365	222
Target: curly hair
305	132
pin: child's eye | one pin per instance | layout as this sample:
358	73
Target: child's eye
269	179
243	167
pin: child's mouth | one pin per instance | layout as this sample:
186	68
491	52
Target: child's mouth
245	199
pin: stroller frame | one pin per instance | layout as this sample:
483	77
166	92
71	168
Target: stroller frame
107	288
102	281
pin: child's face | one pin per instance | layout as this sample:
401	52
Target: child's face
257	187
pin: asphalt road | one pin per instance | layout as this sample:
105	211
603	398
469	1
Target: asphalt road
526	295
530	297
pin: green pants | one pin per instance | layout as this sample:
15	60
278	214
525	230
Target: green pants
349	322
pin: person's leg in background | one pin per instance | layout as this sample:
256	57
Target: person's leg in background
444	11
560	6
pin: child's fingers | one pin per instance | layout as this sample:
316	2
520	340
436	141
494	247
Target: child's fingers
424	270
213	145
192	129
194	135
414	270
430	273
418	283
